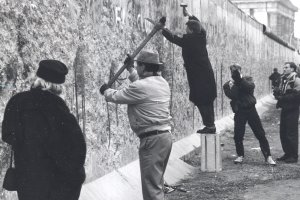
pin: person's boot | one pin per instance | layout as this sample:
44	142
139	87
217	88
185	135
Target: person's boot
282	158
291	160
239	160
270	161
207	130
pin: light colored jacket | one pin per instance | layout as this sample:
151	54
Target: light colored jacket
148	102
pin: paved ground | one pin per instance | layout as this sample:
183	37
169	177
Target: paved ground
251	180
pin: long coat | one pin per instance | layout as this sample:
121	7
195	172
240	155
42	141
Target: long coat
198	67
49	146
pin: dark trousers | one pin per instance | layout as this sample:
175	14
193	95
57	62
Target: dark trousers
207	114
289	131
240	119
60	191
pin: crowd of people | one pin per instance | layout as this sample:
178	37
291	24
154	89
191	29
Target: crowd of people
49	148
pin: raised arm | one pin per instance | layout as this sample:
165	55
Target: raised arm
133	94
192	17
247	85
230	91
172	37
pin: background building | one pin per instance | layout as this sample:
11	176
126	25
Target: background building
278	15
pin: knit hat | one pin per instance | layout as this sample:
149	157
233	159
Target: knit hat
194	25
52	71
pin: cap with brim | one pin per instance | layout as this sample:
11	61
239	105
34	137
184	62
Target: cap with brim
148	57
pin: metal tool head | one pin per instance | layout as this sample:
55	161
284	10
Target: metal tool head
184	5
150	20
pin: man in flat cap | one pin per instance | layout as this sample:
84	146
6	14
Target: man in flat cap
148	99
49	147
275	78
199	71
240	90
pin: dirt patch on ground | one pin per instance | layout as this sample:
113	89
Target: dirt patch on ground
252	180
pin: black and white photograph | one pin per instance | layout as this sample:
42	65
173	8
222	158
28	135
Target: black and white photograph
149	99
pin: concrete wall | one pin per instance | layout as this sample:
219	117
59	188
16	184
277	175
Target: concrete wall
93	36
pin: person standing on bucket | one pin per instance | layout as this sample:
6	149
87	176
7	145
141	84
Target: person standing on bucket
148	99
49	146
288	96
198	68
241	92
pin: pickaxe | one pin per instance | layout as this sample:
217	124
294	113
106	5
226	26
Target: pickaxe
158	26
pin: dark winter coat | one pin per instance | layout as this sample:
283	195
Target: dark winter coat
198	67
290	99
241	94
275	79
49	146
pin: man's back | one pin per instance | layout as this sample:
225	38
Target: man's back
275	78
152	112
148	102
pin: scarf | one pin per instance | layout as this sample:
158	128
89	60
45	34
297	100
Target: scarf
287	80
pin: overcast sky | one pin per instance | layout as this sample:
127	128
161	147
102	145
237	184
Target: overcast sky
297	18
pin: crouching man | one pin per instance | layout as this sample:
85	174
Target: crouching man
148	99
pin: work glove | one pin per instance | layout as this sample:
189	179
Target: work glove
103	88
161	24
162	20
236	76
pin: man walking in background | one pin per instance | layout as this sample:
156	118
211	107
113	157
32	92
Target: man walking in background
199	71
275	78
148	99
288	96
240	90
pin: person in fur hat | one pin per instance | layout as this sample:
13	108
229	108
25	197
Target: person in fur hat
49	146
288	96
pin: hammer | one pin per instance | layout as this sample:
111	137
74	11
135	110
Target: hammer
185	12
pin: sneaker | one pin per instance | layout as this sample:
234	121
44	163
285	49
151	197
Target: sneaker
168	189
207	130
282	158
270	161
239	160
